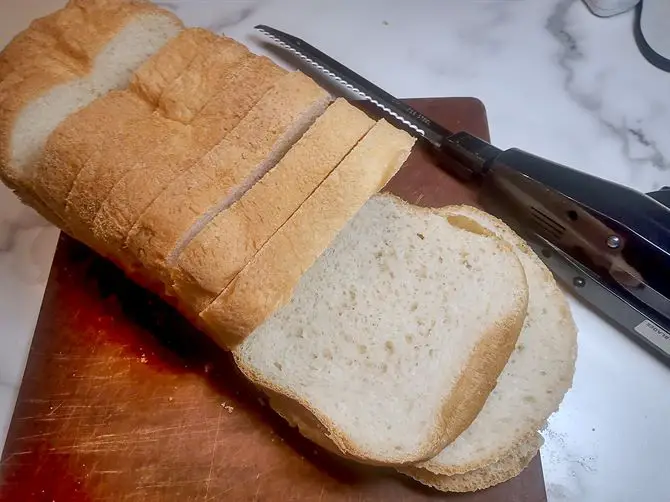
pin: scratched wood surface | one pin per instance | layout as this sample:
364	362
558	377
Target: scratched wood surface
123	400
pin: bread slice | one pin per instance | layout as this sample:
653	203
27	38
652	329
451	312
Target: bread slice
97	45
500	471
109	163
226	172
158	73
537	375
267	281
137	189
395	336
218	253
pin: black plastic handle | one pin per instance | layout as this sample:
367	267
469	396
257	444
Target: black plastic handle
638	212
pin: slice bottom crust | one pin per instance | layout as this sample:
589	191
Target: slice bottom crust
500	471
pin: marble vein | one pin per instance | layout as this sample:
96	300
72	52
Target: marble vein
632	139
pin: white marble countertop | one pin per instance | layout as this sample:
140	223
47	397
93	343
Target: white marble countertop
556	81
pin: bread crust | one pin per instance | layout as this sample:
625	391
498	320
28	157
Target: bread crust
208	264
504	469
159	72
136	190
75	142
223	170
141	138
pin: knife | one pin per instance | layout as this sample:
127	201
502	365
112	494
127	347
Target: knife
607	243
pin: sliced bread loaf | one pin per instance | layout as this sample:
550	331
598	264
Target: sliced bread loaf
109	163
98	44
537	375
148	178
507	467
226	172
217	254
395	336
267	281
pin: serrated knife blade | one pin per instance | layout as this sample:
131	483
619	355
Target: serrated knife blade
415	120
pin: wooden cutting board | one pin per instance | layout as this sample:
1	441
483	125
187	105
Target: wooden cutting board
123	400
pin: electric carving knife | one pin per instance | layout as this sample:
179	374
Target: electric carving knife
607	243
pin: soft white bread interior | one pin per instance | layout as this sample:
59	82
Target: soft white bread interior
226	172
505	468
395	336
85	50
213	258
537	375
267	281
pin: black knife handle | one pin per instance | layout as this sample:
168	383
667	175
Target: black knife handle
572	216
638	212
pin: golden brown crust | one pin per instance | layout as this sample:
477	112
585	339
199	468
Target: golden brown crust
135	191
222	169
159	72
208	264
77	139
203	78
504	469
109	163
268	280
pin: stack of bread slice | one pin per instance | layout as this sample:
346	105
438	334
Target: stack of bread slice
430	340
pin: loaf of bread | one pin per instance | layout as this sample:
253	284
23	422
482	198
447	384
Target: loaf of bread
246	195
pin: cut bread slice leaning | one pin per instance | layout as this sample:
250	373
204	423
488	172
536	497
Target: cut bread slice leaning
214	258
226	172
108	163
536	377
98	46
394	337
148	178
267	281
504	469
